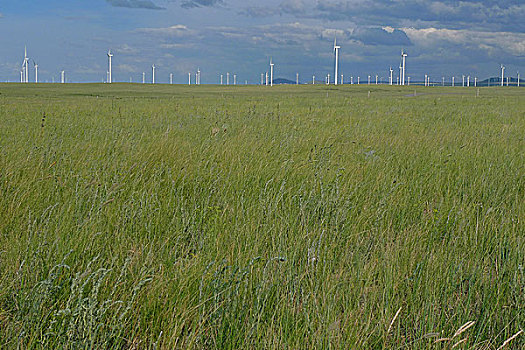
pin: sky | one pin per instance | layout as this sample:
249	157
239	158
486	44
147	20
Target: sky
441	37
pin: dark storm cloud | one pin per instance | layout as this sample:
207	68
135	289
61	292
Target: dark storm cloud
379	36
135	4
452	13
200	3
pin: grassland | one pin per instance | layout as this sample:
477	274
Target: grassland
161	217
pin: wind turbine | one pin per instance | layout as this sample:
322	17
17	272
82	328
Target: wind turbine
171	78
110	78
228	78
221	78
351	80
235	79
443	81
502	74
368	79
453	81
26	64
376	79
518	79
336	50
313	79
189	78
143	77
426	80
391	75
63	77
262	78
271	71
153	74
400	74
404	56
198	76
36	72
463	81
296	78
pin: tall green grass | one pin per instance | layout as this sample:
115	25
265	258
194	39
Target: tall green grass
160	217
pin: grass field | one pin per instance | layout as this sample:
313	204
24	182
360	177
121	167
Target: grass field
161	217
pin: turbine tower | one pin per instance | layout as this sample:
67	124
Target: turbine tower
271	72
404	57
336	51
24	77
63	77
36	73
153	74
110	78
502	74
143	77
26	63
391	75
171	78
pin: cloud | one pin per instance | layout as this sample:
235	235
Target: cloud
178	31
200	3
495	44
135	4
446	13
381	36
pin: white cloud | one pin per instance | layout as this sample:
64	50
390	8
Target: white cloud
513	43
178	31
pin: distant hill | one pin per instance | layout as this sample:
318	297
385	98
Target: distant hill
282	81
497	81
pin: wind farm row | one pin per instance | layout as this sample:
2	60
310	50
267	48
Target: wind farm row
267	77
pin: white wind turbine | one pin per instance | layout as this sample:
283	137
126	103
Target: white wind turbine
404	57
228	78
189	78
400	74
24	78
36	72
502	74
271	71
171	78
336	51
391	75
518	79
110	73
63	77
153	74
